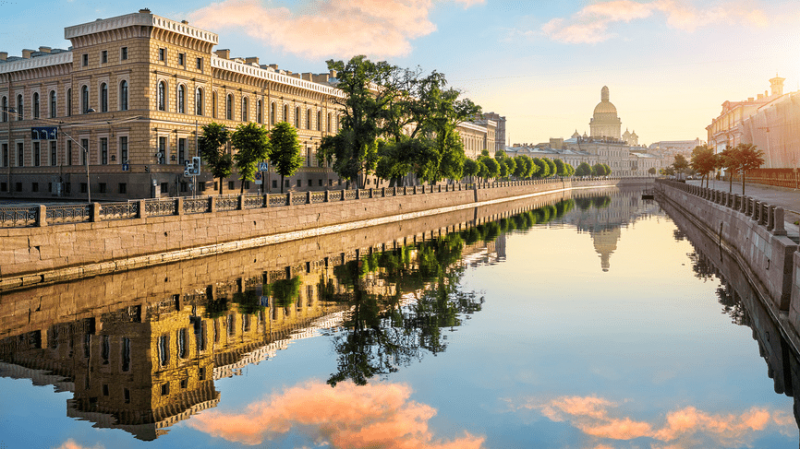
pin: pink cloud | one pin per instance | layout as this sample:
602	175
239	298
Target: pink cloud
332	28
348	416
687	427
592	24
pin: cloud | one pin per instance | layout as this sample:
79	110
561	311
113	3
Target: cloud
687	427
348	416
71	444
328	28
592	24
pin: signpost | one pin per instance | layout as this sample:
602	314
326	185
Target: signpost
192	170
263	166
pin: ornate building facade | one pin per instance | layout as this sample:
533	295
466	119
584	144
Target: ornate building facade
605	124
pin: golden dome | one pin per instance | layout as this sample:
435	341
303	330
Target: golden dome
605	107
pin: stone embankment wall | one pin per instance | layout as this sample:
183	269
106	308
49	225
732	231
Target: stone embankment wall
754	233
55	253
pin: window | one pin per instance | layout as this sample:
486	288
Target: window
83	187
181	99
5	109
184	187
53	153
244	109
165	389
123	95
104	150
85	99
20	154
259	112
199	63
126	361
69	152
84	152
162	148
182	151
181	59
3	187
320	182
162	96
230	185
69	102
272	114
36	154
229	107
164	187
274	184
123	187
123	149
308	119
104	57
85	59
198	101
102	187
299	183
310	183
162	54
319	120
297	117
286	113
214	105
201	186
103	97
5	155
35	187
53	104
20	108
123	54
50	187
36	105
18	187
67	187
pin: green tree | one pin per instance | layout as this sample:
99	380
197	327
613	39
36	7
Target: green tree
510	164
750	158
254	146
492	167
552	166
680	164
542	168
561	169
607	169
470	168
583	169
598	170
703	161
212	150
652	170
520	165
499	155
285	155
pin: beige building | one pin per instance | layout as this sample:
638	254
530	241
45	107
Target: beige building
129	98
775	129
605	124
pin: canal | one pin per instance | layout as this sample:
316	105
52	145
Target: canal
590	319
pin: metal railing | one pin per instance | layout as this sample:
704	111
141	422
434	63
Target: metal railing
65	214
118	211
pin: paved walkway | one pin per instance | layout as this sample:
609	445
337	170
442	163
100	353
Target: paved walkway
788	199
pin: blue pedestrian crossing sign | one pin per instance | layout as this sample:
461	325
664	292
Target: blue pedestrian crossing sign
263	166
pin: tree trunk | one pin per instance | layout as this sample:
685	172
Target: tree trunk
220	186
241	191
282	183
743	176
730	181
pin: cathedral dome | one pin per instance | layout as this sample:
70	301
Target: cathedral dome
605	107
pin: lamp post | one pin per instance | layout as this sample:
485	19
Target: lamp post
6	114
86	159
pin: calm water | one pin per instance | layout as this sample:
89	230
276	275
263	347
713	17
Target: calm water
594	323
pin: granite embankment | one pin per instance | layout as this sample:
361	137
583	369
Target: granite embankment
64	244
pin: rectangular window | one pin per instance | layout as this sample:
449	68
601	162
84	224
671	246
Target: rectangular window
3	187
230	185
36	154
67	187
199	63
162	54
18	187
299	183
50	187
181	59
104	56
165	389
247	185
123	149
83	187
69	152
182	151
123	187
201	186
102	187
20	154
126	395
85	59
5	155
104	150
84	151
184	187
164	187
162	148
35	187
53	153
320	182
274	184
123	53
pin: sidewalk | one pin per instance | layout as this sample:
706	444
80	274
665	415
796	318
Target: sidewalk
788	199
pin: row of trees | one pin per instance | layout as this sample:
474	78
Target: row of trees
739	159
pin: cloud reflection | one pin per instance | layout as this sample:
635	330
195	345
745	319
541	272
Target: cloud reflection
348	416
71	444
687	427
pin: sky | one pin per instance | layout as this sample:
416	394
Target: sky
669	64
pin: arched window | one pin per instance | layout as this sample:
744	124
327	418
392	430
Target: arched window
319	120
297	114
104	97
20	108
85	99
286	113
259	112
162	96
181	99
244	109
123	96
53	111
5	109
198	101
36	105
328	124
308	119
214	104
229	107
69	102
272	114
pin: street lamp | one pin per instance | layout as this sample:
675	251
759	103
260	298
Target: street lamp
86	159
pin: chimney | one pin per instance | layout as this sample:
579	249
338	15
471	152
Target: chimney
26	54
321	78
760	96
333	73
251	60
224	54
307	76
274	66
44	49
185	22
144	11
3	55
750	99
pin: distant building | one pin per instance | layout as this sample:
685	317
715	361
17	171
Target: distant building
477	136
669	148
500	133
774	128
605	124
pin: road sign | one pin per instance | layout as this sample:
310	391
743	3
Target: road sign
126	167
44	133
263	166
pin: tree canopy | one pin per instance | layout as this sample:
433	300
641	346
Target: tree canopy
211	146
253	146
285	154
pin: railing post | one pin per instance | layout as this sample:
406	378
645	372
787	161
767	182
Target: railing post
779	229
358	194
213	207
308	197
756	208
180	205
327	195
771	218
41	219
96	212
288	198
142	209
241	202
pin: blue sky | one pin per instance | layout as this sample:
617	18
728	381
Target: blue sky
669	64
